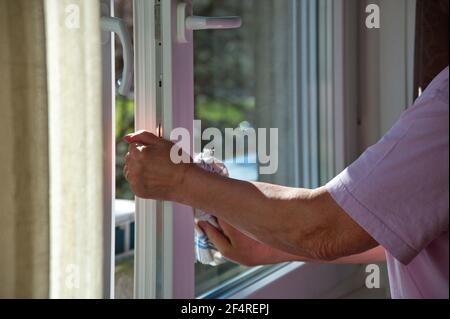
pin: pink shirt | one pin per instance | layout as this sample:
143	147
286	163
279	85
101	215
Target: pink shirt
398	191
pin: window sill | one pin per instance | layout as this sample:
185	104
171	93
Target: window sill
249	281
296	280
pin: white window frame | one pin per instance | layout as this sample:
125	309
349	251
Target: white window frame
167	271
386	68
145	119
108	109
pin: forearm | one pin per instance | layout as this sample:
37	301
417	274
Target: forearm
371	256
374	255
292	220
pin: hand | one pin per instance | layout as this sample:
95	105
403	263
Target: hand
240	248
149	169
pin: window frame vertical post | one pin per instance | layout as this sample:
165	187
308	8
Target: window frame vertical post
145	119
108	105
178	112
164	253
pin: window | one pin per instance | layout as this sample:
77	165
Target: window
243	79
270	73
277	71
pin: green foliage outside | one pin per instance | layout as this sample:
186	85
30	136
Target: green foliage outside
124	126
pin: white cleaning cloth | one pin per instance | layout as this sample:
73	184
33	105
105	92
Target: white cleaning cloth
205	251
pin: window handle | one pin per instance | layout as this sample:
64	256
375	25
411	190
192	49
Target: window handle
208	23
117	26
187	22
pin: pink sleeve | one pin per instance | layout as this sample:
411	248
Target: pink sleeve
398	190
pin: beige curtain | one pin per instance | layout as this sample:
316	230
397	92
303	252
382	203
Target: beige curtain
24	191
51	228
75	126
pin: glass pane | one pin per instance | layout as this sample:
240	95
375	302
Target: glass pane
124	207
244	79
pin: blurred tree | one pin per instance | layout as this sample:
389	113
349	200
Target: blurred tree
224	66
124	126
124	106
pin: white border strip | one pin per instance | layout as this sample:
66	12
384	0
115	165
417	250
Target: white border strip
108	104
146	110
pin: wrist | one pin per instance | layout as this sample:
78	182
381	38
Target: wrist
180	191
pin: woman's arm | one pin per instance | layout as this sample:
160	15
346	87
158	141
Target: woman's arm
371	256
240	248
300	222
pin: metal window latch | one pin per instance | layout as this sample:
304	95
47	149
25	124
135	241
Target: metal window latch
117	26
187	22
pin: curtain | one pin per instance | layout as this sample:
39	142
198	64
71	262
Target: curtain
51	229
24	205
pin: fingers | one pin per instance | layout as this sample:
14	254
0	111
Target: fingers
126	172
126	167
135	149
133	160
134	146
230	231
224	225
216	237
142	137
226	229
